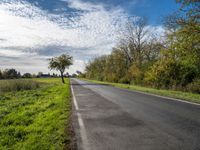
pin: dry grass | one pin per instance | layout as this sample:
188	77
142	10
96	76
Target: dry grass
17	85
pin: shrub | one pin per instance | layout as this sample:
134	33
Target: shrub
194	86
135	75
125	80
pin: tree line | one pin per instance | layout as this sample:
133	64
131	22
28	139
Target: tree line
9	74
14	74
58	63
144	58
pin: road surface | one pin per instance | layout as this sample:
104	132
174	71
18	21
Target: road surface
109	118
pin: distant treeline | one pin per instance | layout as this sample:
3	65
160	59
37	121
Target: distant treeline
14	74
143	58
9	74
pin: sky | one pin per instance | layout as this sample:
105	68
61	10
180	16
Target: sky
31	31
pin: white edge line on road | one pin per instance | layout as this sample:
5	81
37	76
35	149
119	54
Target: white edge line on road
173	99
80	122
74	99
170	98
83	133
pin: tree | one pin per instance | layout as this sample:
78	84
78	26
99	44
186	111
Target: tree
27	75
143	57
39	74
11	74
60	63
136	37
179	63
140	46
1	75
138	49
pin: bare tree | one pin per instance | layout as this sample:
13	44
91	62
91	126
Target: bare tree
138	42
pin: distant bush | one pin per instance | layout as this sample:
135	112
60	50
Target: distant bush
17	85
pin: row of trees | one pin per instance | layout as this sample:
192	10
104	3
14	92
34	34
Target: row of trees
59	63
142	57
14	74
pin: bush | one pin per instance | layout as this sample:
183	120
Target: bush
194	86
135	75
17	85
124	80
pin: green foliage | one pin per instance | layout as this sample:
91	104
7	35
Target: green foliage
96	68
169	93
27	75
60	63
109	68
194	86
36	119
9	74
136	74
13	74
17	85
179	63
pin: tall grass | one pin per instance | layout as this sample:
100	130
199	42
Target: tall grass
17	85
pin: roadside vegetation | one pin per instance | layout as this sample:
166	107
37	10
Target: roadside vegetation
37	118
192	97
11	73
17	85
144	58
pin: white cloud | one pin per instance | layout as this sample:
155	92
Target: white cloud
31	34
8	53
32	30
79	5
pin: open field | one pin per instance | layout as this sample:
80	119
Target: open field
168	93
36	119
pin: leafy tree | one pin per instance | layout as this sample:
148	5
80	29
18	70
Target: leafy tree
11	74
60	63
179	62
138	49
39	74
96	67
27	75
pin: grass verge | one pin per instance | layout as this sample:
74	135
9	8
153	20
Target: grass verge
191	97
36	119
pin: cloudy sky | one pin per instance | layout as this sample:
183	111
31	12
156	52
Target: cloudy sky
33	30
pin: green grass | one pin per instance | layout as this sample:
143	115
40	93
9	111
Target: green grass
36	119
17	85
168	93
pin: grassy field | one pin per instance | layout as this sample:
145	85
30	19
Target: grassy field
168	93
36	119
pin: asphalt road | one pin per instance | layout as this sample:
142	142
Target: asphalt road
108	118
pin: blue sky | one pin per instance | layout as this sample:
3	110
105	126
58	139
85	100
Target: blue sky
33	30
154	10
